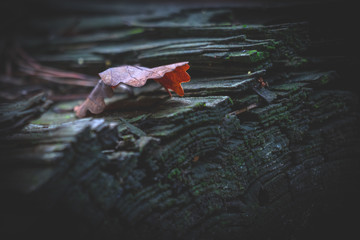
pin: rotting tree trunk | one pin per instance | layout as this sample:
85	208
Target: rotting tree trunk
221	162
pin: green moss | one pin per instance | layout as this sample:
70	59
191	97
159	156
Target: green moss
304	60
181	159
196	193
248	56
256	56
324	80
251	52
199	105
138	118
270	47
225	24
136	31
174	174
54	118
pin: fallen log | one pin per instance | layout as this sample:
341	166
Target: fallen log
231	159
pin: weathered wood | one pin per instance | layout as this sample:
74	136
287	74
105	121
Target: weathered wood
14	116
228	160
190	158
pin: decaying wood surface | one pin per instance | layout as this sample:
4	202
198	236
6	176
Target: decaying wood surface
263	143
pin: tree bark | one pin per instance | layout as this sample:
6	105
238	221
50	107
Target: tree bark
233	159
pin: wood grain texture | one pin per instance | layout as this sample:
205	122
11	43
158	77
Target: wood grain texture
221	162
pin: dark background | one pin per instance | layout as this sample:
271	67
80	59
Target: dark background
329	19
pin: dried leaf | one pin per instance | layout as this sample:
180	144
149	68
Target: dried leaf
172	80
95	101
169	76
